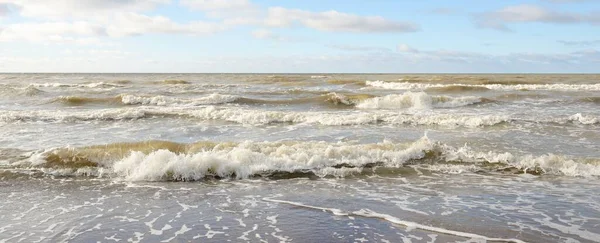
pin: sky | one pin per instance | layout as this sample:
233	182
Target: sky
309	36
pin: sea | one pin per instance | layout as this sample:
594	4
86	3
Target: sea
299	158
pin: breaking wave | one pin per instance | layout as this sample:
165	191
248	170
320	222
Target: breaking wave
160	160
70	85
255	117
26	91
418	100
263	117
158	100
426	86
164	100
579	118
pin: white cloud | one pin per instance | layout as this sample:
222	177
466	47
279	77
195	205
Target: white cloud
216	5
61	21
266	34
333	21
531	13
406	48
120	25
243	12
80	32
104	18
359	48
97	53
236	12
56	9
129	24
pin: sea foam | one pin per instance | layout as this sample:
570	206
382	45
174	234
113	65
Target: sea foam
156	161
417	100
424	86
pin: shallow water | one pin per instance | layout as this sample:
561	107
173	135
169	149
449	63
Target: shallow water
303	158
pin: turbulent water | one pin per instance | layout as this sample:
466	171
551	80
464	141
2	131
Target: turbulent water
299	158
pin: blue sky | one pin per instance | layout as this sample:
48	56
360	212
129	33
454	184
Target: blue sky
391	36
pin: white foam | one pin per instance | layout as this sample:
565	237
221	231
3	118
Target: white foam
71	116
164	100
586	120
245	116
423	86
248	159
263	117
416	100
256	117
548	164
70	85
410	225
323	159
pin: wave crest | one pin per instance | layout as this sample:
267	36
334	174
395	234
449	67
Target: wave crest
425	86
417	100
159	160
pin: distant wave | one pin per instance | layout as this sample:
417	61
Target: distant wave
426	86
11	91
157	100
163	100
70	85
418	100
457	88
172	81
591	99
162	160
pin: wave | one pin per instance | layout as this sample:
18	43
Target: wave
418	100
70	85
520	96
327	99
172	81
262	117
254	117
160	160
507	80
579	118
457	88
26	91
342	119
591	99
346	82
159	100
124	81
425	86
78	100
164	100
364	101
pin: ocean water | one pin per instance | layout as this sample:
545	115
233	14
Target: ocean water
299	158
